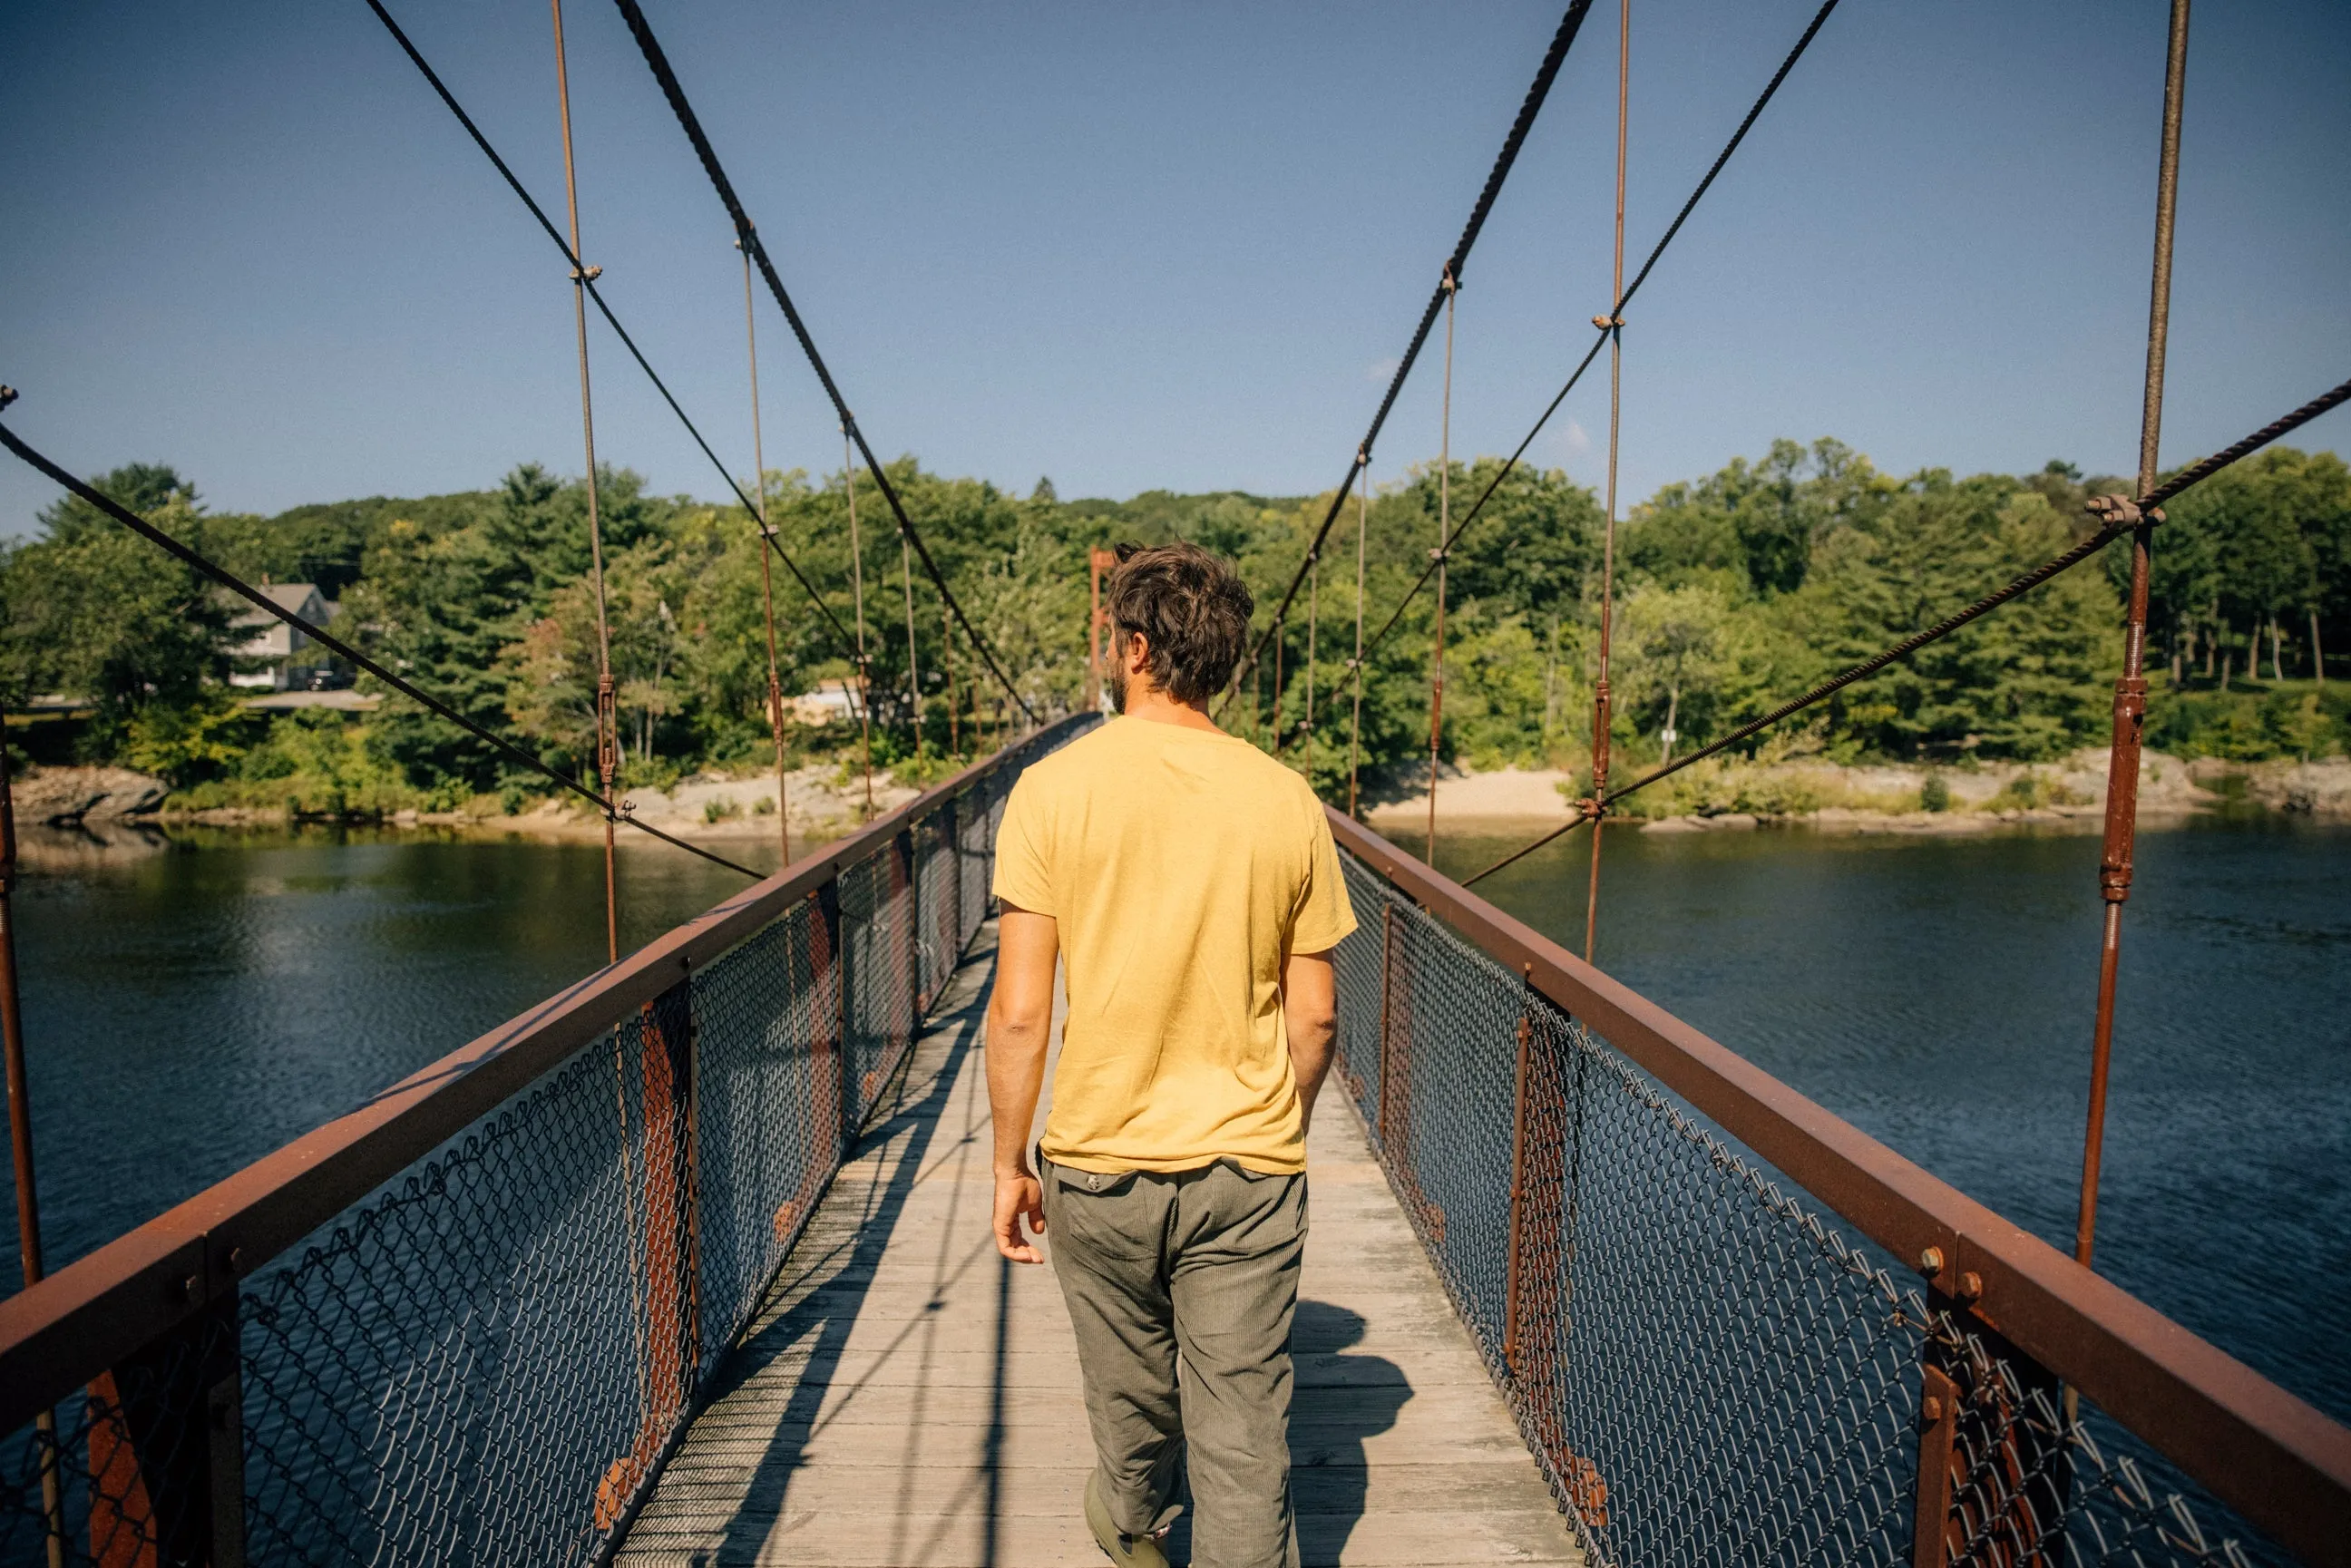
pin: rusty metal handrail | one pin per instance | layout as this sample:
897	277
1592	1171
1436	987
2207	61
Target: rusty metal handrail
2275	1458
58	1335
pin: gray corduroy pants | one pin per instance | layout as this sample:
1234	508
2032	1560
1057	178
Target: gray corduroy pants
1181	1289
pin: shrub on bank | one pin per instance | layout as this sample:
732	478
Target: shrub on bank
2295	720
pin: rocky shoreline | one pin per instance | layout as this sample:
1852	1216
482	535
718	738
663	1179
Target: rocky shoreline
1887	798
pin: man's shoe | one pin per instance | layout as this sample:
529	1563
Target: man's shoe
1126	1550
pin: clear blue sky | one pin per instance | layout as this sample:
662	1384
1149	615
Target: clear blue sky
1132	248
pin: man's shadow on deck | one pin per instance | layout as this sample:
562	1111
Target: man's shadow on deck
1338	1402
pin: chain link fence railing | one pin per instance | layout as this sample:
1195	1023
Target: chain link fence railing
1709	1369
485	1360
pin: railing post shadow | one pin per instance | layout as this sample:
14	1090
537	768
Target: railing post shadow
907	860
167	1448
1993	1465
1396	1025
835	953
670	1334
1546	1173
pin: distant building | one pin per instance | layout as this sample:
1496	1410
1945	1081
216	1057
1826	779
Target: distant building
268	647
832	702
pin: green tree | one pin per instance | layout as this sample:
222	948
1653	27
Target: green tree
93	611
2022	682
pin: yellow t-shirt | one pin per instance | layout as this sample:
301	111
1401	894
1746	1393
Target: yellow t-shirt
1180	865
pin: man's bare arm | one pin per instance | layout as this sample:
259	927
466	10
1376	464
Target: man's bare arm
1020	1024
1310	1006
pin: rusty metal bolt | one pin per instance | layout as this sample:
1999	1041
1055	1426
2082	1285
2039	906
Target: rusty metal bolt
236	1260
1930	1261
192	1289
1931	1408
1971	1286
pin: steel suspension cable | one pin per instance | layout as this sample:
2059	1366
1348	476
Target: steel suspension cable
857	580
914	667
1453	273
647	45
607	714
2118	516
433	80
767	575
1356	666
335	644
946	668
1313	612
1602	339
1612	324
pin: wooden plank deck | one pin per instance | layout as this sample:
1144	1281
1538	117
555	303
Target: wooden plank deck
905	1397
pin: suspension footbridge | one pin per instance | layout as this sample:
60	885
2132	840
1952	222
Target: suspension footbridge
688	1263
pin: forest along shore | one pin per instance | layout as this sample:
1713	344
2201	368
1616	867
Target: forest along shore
1877	797
92	804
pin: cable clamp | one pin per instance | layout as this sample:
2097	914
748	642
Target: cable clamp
1608	323
2120	511
1440	555
7	396
1450	284
586	273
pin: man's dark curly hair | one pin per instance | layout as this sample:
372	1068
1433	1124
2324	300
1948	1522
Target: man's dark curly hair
1191	608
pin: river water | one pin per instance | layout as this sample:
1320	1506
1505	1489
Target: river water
193	1005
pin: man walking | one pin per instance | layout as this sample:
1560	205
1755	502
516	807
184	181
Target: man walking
1188	883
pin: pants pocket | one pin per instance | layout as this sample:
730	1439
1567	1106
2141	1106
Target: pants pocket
1102	1214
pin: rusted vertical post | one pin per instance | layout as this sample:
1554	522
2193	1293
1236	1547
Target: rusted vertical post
1541	1225
1396	1024
2130	689
1518	1196
1939	1418
20	1139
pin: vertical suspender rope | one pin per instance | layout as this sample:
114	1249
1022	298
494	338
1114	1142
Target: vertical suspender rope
766	572
1443	528
1279	638
607	741
20	1148
2130	690
1614	325
913	670
857	583
1313	609
946	663
1362	524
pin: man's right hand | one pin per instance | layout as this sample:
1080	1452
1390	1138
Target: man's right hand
1019	1197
